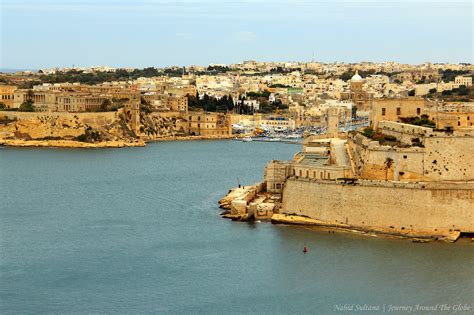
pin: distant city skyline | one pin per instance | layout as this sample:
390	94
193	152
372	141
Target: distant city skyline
124	33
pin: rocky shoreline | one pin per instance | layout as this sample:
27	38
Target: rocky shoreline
71	144
100	144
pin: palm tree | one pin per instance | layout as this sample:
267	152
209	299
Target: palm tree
388	163
30	95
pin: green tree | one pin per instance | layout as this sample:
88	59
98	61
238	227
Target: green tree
105	105
27	107
462	90
2	106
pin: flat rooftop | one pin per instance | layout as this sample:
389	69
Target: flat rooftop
313	159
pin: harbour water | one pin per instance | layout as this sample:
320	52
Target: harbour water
137	230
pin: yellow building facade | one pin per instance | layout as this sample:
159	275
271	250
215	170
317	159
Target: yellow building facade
209	124
395	108
7	95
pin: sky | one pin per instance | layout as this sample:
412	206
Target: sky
126	33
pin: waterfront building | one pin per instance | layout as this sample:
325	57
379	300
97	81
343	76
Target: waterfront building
209	124
277	123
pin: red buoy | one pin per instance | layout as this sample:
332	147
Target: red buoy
305	249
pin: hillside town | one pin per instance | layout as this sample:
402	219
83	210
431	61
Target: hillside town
278	100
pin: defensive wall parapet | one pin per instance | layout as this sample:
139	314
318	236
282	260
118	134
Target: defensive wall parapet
434	208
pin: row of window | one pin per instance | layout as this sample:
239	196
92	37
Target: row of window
199	118
307	174
399	111
206	126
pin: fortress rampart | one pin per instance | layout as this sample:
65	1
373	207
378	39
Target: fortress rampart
429	208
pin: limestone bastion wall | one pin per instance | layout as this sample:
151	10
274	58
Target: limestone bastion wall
449	158
403	206
443	158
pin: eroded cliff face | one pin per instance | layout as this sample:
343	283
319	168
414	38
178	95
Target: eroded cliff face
87	127
156	126
84	127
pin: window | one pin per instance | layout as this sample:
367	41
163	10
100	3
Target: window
418	111
399	111
383	111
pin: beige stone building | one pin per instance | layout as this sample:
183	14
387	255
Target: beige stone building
42	100
177	103
7	95
463	80
74	98
357	94
209	124
393	109
453	115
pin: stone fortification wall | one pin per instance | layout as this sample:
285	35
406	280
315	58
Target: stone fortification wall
449	158
370	161
443	158
464	132
398	207
276	173
405	133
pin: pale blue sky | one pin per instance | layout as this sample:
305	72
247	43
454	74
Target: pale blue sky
119	33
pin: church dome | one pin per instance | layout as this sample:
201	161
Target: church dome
356	77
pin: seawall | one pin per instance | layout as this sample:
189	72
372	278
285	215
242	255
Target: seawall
398	208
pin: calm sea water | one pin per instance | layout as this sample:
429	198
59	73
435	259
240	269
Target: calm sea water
138	231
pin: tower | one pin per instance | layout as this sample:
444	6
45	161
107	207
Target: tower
358	96
332	121
356	83
132	110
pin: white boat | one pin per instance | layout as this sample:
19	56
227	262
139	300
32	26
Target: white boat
274	139
293	136
247	139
